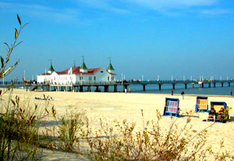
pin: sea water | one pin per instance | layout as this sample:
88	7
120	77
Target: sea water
166	89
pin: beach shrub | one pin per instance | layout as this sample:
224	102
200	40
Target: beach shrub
68	132
18	134
122	142
70	129
19	137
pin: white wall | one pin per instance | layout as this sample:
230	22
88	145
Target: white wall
101	76
62	79
43	78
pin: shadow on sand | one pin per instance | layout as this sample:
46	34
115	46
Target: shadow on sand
231	119
48	123
184	115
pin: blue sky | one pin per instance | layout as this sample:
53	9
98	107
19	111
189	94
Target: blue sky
143	37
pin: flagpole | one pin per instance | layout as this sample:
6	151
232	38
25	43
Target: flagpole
24	74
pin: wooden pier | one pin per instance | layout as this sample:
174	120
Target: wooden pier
79	87
210	83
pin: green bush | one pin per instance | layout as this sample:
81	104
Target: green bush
19	137
70	130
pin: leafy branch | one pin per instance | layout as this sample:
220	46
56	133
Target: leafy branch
4	70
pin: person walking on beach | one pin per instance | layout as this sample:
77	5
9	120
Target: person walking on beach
182	93
172	92
231	92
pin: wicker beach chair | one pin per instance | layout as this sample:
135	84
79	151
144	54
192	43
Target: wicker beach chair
202	104
171	107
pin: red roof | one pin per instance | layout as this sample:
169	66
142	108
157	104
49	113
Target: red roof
110	73
76	70
45	74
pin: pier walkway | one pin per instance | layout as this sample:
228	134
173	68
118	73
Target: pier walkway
210	83
80	86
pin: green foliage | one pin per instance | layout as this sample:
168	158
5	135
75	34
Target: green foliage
67	135
5	69
229	108
70	129
19	134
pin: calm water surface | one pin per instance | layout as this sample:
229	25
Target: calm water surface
166	89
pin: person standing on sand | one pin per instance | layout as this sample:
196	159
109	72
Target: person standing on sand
172	92
231	92
182	93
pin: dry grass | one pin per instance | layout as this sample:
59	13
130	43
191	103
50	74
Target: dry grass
19	124
18	130
121	142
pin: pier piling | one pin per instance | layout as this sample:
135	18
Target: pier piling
173	86
185	85
106	88
160	86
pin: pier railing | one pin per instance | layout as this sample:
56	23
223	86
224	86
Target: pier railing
125	83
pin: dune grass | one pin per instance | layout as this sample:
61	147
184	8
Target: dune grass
20	138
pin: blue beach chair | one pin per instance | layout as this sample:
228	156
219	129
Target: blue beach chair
171	107
202	104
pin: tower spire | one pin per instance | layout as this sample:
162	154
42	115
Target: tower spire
83	67
51	68
110	67
109	59
50	61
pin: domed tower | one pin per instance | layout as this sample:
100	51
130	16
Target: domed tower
110	68
51	68
83	67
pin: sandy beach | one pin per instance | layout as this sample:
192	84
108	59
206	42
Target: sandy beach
112	107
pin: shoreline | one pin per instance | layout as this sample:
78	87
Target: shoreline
179	95
132	92
208	95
